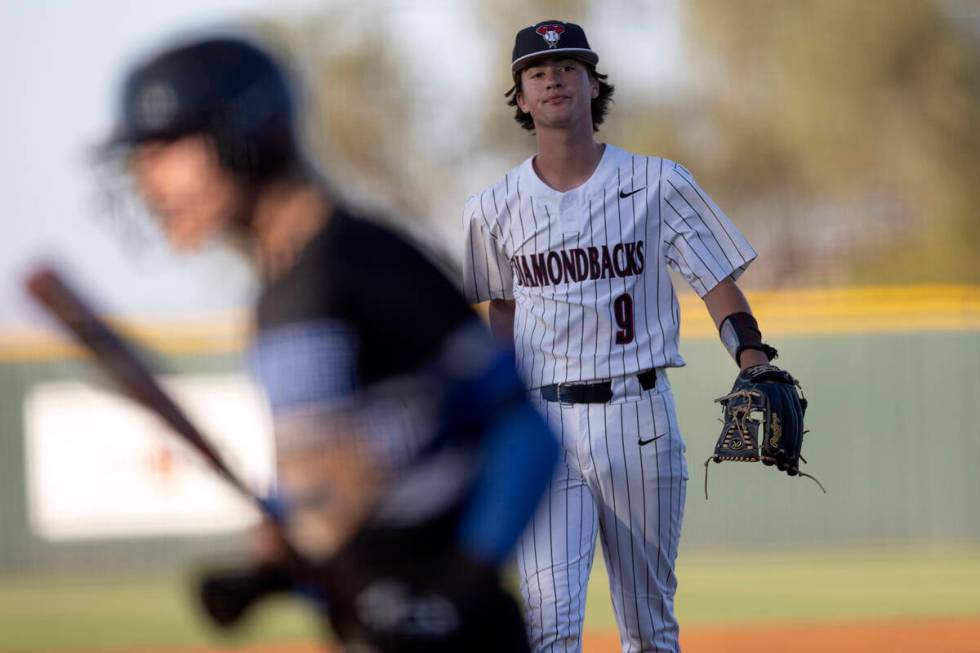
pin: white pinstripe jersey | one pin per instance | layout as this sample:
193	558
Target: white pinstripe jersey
588	267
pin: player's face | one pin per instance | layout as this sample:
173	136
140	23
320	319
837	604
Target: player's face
184	185
558	93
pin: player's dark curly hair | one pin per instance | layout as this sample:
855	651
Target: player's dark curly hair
600	104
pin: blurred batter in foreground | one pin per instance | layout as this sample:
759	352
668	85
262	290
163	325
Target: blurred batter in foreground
408	458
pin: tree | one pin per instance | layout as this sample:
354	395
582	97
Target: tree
855	123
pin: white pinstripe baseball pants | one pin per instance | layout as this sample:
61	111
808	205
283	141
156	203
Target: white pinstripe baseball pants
631	494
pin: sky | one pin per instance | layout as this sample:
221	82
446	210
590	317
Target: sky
60	63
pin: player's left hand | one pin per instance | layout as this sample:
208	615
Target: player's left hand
768	397
227	595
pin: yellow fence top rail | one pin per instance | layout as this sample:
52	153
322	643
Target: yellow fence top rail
214	335
785	312
840	311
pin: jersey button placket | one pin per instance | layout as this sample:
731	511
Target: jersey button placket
569	214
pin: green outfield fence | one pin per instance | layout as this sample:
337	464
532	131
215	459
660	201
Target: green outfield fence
893	421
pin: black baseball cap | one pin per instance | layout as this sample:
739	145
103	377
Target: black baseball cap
551	38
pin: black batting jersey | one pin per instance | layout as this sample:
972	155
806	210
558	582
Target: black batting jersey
350	327
587	268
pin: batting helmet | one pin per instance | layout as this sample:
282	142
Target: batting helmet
224	87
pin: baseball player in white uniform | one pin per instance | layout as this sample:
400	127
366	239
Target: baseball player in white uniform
571	248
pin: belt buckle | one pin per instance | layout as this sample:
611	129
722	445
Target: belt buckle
558	387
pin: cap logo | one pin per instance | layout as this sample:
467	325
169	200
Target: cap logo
157	105
551	34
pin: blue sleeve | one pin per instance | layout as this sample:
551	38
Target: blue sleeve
517	450
518	459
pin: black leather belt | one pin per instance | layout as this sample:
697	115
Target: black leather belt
591	393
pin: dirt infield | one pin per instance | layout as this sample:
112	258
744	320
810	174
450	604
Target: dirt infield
947	635
894	636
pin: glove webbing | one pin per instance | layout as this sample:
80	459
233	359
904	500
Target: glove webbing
747	438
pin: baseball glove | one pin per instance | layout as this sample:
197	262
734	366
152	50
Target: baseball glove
769	398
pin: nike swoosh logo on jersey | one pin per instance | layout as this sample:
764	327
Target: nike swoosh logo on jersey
656	437
623	194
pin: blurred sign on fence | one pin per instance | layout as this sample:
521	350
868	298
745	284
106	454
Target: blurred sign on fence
99	466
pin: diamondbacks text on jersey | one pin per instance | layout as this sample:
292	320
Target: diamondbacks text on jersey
587	264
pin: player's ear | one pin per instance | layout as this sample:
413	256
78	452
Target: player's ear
521	103
594	81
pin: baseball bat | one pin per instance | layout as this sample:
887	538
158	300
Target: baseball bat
225	597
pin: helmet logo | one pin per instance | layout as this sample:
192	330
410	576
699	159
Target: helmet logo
551	34
157	105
